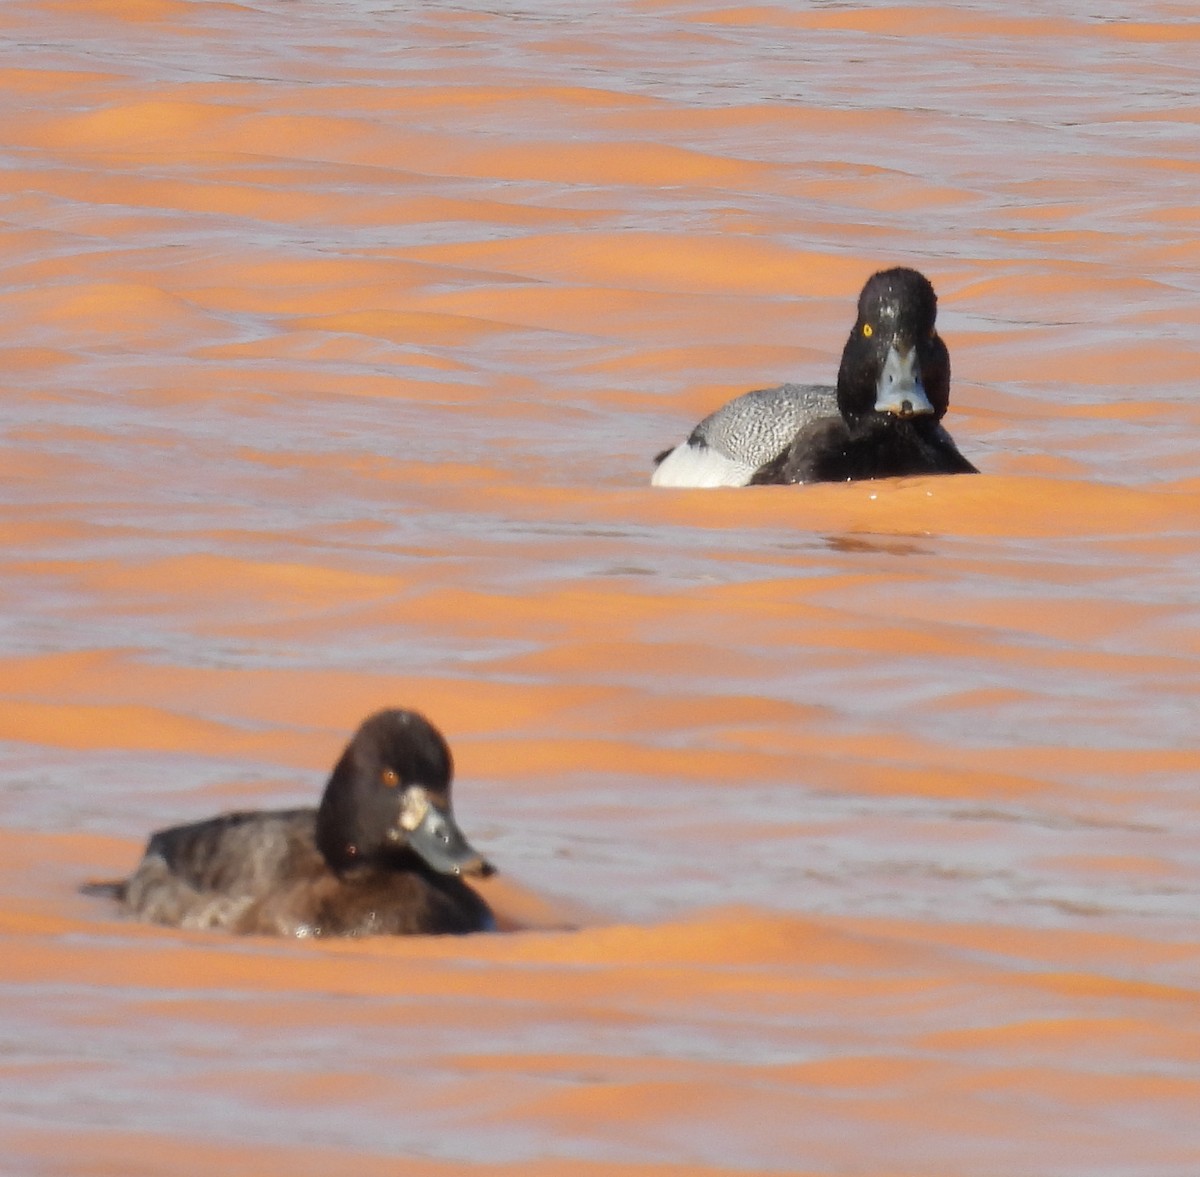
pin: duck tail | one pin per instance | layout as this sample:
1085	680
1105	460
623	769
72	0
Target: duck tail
110	890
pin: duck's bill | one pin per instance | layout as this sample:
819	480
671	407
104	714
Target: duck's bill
899	390
442	845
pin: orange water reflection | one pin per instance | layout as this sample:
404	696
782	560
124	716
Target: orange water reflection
337	341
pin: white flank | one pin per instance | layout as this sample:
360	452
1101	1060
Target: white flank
696	466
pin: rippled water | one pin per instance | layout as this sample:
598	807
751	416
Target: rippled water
337	340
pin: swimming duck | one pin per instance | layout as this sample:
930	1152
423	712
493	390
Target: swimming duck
883	420
381	854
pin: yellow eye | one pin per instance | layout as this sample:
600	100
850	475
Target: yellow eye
868	330
390	777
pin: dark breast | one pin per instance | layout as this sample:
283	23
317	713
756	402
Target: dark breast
398	903
832	451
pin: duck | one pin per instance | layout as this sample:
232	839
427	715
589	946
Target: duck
882	420
380	855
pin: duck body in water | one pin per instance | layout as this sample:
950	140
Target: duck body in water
882	420
381	854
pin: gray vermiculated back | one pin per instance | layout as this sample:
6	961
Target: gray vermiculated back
756	426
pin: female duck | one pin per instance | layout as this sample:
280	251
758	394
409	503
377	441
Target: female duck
883	420
381	854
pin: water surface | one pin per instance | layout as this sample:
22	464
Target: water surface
337	340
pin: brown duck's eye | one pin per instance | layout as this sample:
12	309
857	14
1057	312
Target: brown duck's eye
390	777
868	330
